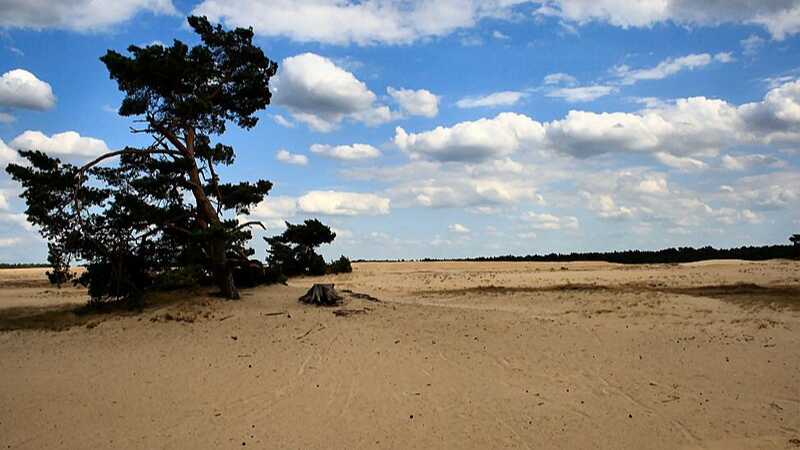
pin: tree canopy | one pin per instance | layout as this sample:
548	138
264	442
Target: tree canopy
160	208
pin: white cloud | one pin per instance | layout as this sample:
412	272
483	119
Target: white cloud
776	190
752	217
550	222
7	154
79	15
361	22
21	89
560	78
369	22
656	185
346	152
681	132
458	228
781	18
291	158
6	118
751	44
493	100
682	163
777	117
606	207
668	67
416	102
748	162
322	94
473	141
274	210
582	93
69	143
283	121
725	57
470	193
3	201
500	35
336	203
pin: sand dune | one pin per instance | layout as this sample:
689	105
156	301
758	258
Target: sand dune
454	355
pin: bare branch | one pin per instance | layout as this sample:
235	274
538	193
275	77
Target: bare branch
250	224
101	158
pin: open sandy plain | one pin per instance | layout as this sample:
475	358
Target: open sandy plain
432	355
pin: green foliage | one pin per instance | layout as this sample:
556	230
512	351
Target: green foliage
795	240
131	223
341	265
293	252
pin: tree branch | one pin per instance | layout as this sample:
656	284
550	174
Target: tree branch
250	224
101	158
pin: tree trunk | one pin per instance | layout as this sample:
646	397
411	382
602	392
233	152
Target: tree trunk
223	275
222	272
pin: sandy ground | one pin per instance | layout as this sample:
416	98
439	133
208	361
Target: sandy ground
455	355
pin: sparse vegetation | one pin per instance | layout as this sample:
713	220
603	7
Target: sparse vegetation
341	265
293	252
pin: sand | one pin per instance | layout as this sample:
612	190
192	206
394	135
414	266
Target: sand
455	355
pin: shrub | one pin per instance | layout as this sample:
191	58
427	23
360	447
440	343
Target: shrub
341	265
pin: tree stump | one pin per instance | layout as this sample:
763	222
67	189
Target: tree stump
322	295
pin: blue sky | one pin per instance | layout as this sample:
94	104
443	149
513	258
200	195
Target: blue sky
457	128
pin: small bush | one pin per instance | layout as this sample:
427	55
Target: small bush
249	274
341	265
179	278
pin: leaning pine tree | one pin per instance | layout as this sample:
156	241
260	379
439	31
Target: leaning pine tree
160	209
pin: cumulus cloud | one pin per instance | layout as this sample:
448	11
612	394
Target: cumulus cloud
346	152
7	154
777	190
416	102
477	192
287	157
582	93
21	89
473	141
776	117
322	94
69	143
606	207
458	228
79	15
493	100
400	22
335	203
679	133
274	210
546	221
780	18
349	21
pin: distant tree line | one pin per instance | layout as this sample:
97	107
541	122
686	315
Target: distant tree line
667	255
23	265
